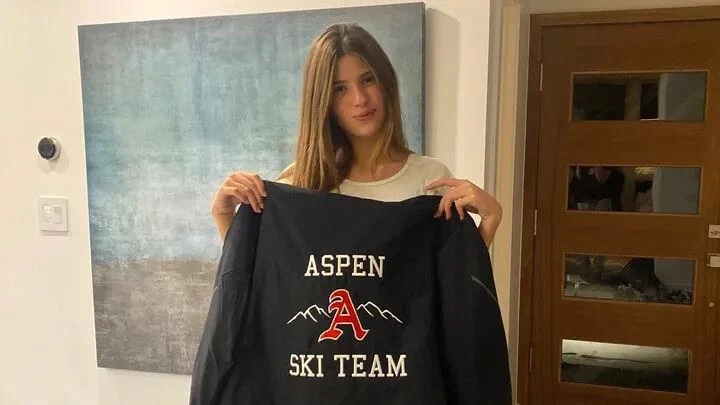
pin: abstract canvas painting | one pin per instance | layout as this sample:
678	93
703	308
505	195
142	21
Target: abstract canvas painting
170	107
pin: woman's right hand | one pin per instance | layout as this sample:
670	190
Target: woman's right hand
238	187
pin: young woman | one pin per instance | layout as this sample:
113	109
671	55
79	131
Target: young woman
351	139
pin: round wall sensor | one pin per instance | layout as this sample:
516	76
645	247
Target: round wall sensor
49	148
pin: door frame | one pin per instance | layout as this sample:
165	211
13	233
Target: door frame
538	22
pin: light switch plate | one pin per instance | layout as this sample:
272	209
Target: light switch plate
52	214
714	261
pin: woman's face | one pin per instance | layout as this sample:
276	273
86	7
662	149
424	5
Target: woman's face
357	104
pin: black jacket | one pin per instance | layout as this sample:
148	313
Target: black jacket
330	299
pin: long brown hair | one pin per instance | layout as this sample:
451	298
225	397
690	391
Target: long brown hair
324	153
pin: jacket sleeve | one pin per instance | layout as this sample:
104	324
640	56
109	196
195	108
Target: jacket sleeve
220	341
473	343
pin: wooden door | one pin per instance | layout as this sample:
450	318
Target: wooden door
627	187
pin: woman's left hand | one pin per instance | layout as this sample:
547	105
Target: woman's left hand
468	197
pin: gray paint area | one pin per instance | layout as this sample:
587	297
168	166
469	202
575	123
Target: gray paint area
149	314
170	108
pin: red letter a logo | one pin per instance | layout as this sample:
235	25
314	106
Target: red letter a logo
345	314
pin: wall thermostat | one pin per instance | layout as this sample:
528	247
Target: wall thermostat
49	148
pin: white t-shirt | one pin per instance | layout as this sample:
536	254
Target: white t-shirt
408	182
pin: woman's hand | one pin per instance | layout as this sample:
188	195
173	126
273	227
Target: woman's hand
238	187
468	197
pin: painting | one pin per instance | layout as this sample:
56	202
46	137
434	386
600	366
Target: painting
170	107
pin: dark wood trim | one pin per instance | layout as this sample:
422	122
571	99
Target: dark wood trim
628	16
529	204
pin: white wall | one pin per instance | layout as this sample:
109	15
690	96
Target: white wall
47	345
508	173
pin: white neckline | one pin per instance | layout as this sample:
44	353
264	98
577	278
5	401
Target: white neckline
383	181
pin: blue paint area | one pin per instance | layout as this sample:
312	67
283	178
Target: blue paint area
171	107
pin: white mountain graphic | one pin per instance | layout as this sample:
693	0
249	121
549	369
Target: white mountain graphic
369	307
308	313
383	312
